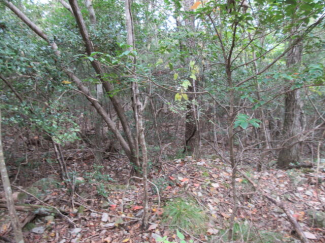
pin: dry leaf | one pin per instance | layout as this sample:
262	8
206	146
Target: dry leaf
299	216
212	231
126	240
227	216
137	207
215	185
185	180
310	236
113	206
153	226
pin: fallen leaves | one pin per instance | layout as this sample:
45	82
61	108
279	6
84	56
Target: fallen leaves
310	236
135	208
299	216
152	227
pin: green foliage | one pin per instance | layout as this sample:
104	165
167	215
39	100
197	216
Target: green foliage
185	214
97	174
244	121
99	179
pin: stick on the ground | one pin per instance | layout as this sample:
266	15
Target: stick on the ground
280	204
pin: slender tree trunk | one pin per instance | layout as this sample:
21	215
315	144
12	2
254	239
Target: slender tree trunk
138	113
293	117
18	234
91	11
191	123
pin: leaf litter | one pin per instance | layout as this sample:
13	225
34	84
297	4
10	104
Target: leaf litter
116	217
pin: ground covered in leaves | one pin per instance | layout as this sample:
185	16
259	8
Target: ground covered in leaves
187	196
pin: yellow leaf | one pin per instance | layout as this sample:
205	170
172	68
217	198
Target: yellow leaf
196	5
126	240
185	97
66	82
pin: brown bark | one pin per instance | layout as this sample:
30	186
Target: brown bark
18	234
293	117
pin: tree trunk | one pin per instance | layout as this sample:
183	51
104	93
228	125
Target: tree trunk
138	114
8	193
293	118
191	123
91	11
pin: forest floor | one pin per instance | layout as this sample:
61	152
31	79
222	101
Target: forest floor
193	197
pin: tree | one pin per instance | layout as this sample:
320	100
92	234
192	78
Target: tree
138	107
8	193
293	124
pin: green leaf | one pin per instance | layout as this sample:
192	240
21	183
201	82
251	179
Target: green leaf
192	63
244	125
186	84
160	61
175	76
178	97
126	53
180	235
244	121
193	76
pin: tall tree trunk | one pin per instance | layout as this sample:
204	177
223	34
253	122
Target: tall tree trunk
293	117
18	234
138	114
191	123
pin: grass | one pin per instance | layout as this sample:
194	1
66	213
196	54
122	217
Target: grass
185	214
246	232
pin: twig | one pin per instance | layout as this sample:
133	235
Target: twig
151	184
48	205
111	215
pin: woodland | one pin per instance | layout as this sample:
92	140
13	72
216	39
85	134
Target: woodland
174	121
